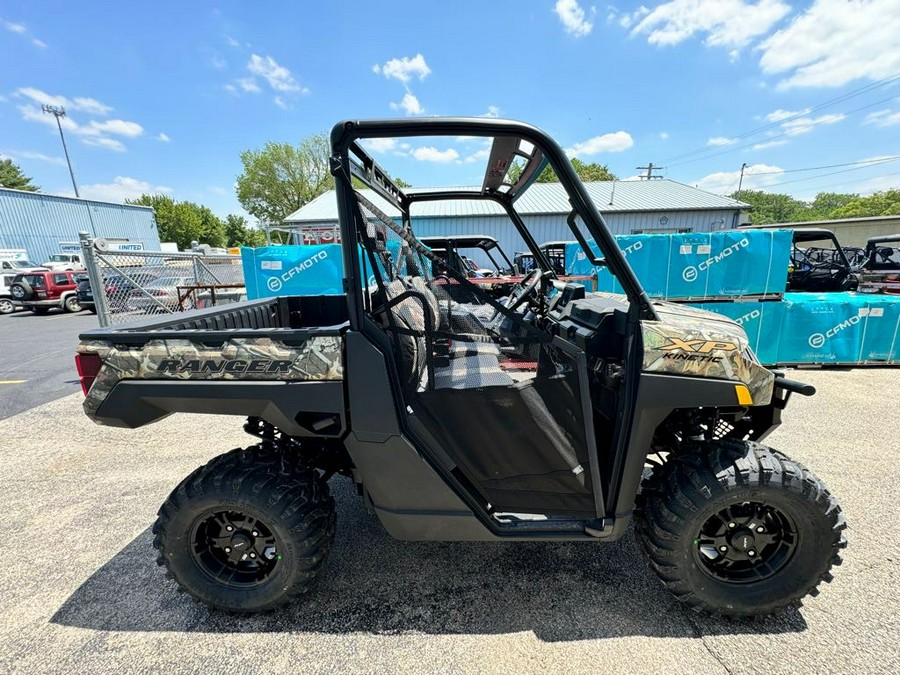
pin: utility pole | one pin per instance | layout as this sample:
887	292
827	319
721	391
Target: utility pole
650	168
741	180
60	112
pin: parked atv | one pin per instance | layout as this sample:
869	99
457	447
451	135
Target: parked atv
626	409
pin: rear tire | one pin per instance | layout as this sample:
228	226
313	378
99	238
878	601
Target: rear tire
699	516
72	304
250	500
6	306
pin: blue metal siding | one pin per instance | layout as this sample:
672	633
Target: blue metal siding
551	227
38	223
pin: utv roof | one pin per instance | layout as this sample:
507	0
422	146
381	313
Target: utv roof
812	234
459	241
883	238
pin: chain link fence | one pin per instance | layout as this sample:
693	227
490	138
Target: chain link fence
129	285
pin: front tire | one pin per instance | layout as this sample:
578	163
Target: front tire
735	528
247	532
6	306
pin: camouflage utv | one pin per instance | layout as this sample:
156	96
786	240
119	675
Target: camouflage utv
550	414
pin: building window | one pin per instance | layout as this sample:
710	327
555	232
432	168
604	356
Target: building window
656	231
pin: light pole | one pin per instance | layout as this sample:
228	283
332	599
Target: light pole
59	112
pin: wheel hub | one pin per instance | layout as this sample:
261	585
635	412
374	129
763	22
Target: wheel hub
745	542
236	549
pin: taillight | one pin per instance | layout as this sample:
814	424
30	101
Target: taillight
88	365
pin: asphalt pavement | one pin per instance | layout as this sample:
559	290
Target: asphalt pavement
37	359
81	592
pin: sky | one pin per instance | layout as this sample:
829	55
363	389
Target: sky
163	97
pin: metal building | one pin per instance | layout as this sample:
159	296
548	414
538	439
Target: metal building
629	207
849	231
41	224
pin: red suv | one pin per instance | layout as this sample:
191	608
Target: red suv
40	291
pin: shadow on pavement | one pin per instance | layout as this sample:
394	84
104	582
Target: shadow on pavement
374	584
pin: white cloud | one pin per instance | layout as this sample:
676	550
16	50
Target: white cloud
163	137
22	29
91	106
780	114
573	17
380	145
121	189
104	142
231	89
492	111
248	84
404	69
482	154
721	141
231	41
607	143
118	127
94	133
804	125
835	42
410	104
726	23
218	63
883	118
31	155
279	78
83	103
664	135
281	103
432	154
769	144
726	182
219	190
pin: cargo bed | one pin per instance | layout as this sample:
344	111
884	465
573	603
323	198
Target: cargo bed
280	359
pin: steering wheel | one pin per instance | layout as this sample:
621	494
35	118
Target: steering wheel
524	289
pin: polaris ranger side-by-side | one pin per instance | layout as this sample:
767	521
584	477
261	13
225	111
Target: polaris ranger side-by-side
550	414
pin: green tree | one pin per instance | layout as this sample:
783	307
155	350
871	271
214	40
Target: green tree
586	172
401	183
884	203
239	233
184	222
280	178
772	207
826	203
12	176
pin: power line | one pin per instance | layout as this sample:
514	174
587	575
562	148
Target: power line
825	104
871	178
876	160
831	173
786	133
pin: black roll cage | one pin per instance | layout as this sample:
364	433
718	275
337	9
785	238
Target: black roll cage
507	136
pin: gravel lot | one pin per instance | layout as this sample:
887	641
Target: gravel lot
81	591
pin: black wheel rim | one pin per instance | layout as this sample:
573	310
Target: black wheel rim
236	549
745	542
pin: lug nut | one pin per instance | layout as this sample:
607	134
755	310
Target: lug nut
255	534
228	550
252	555
723	548
751	553
760	529
732	524
229	528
